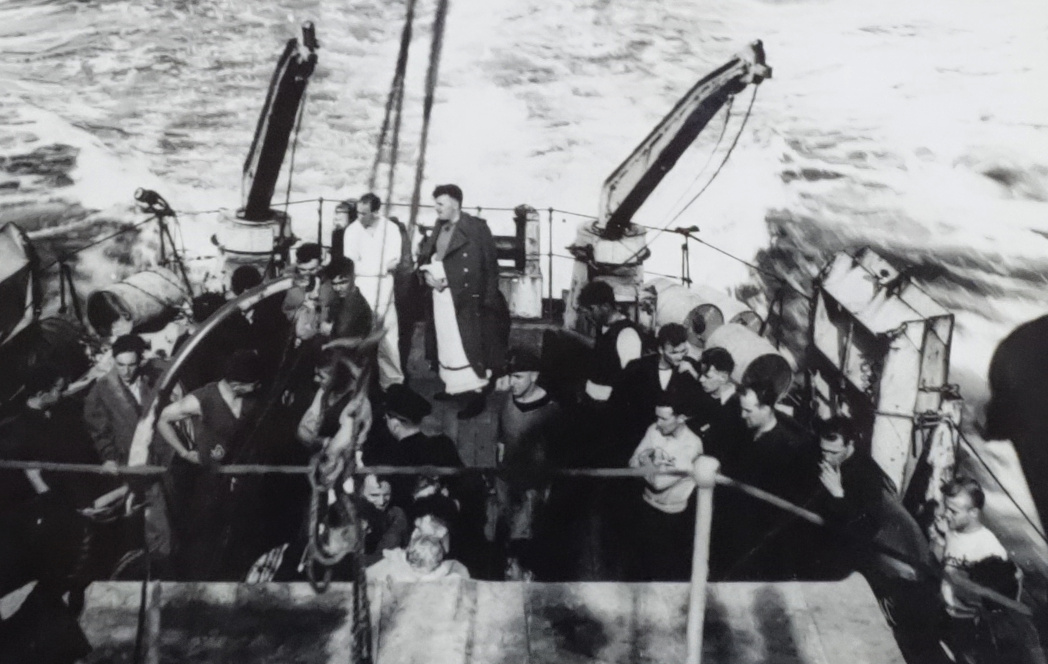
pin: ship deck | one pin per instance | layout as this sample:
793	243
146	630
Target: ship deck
496	622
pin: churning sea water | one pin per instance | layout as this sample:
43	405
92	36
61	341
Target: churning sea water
917	128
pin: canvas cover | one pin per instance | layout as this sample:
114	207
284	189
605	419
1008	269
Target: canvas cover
18	287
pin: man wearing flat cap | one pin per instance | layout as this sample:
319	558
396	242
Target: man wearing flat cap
405	410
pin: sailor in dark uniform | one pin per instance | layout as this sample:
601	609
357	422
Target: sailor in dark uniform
780	457
405	410
618	343
719	421
618	340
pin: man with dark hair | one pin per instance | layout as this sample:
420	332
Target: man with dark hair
665	522
720	418
116	401
41	533
374	245
776	456
618	339
311	294
224	415
469	329
244	278
268	327
111	412
862	509
308	257
49	427
644	381
868	529
234	332
348	314
386	525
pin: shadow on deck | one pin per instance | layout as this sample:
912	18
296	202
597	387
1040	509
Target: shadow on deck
493	623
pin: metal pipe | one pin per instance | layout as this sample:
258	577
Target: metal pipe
151	624
705	470
549	275
320	221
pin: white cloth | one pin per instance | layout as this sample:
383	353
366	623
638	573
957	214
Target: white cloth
374	251
389	369
664	377
455	370
598	392
628	347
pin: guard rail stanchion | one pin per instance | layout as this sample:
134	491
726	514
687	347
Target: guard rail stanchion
705	470
152	624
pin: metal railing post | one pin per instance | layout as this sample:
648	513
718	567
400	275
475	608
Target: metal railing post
549	277
320	222
705	470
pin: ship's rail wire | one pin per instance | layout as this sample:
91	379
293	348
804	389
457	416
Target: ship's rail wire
793	510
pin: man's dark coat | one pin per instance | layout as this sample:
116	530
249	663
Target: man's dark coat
473	277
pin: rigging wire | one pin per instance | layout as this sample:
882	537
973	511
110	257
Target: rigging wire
427	108
727	155
709	158
394	106
126	229
989	471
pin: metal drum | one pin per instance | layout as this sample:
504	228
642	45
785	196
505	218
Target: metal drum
755	357
700	309
144	299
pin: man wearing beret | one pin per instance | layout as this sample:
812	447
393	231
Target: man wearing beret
405	410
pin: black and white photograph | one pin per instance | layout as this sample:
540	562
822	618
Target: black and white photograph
521	332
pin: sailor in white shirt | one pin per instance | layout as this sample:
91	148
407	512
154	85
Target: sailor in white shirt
374	245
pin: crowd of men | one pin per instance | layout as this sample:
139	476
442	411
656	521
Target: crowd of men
321	371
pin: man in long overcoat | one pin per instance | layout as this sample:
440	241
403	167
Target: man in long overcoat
469	319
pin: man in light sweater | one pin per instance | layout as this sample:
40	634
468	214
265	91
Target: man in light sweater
976	630
665	519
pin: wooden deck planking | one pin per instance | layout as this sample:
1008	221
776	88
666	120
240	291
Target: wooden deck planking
475	622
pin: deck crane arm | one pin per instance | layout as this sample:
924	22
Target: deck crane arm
629	186
275	124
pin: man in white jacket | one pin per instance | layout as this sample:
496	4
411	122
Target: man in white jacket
373	243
